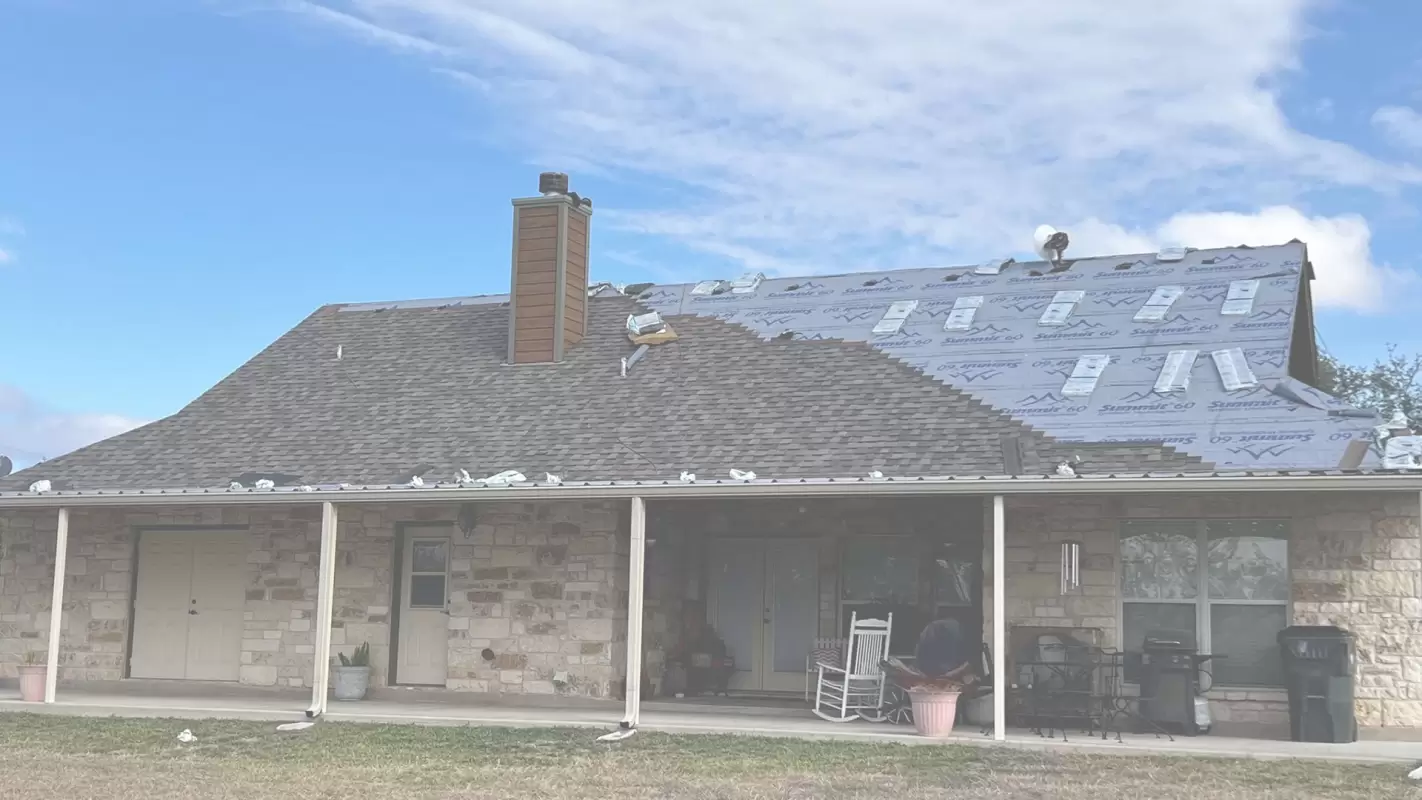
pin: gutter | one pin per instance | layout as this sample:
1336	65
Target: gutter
807	487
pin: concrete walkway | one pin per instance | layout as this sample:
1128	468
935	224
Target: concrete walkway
700	720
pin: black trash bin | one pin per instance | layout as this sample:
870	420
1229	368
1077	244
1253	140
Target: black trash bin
1170	680
1318	671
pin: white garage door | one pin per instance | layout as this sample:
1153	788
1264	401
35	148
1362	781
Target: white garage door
188	608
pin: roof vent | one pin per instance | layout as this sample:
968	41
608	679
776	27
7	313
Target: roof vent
1084	375
1175	373
552	183
1063	303
961	317
642	324
1159	303
894	318
1234	369
1171	252
705	288
1240	300
994	267
747	283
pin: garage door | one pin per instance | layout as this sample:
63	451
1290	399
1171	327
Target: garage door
188	607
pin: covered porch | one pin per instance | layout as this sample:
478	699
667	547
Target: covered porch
580	603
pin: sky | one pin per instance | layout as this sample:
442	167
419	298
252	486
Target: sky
182	181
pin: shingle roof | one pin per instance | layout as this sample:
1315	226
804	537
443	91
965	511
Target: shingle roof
1009	359
424	384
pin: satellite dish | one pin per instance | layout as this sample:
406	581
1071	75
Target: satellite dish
5	466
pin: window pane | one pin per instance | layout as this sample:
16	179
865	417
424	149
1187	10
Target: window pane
1246	635
1249	560
1140	619
953	582
880	570
1159	561
427	591
429	555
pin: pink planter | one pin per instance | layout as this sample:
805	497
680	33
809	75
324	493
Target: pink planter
934	711
32	683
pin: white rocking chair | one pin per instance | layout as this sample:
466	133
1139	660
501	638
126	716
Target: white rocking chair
844	693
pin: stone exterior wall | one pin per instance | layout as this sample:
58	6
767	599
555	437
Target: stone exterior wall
1354	562
542	586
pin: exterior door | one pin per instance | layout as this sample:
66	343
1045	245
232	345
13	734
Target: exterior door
423	656
188	607
765	607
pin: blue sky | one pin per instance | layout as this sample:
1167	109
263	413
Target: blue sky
183	181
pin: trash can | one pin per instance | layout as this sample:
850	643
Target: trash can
1318	672
1170	681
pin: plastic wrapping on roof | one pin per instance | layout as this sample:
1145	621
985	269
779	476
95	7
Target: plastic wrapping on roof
1008	360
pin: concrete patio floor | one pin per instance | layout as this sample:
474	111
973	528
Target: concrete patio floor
668	717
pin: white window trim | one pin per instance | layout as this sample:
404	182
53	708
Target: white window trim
1201	600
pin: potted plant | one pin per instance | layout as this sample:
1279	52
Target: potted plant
350	680
33	675
934	698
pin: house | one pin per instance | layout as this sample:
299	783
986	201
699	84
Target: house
921	441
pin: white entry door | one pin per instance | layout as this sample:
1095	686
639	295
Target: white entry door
188	608
423	656
765	607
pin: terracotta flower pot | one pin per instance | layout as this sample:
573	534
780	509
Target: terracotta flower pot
934	711
32	679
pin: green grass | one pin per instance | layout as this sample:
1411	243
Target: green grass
116	759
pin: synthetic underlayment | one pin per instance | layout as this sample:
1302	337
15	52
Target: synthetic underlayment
1009	359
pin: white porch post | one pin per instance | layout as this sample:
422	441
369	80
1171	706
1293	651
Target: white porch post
1000	678
325	599
56	604
637	563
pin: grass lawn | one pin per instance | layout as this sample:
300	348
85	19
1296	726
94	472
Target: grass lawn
115	759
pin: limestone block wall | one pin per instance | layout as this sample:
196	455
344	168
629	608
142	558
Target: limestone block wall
1355	562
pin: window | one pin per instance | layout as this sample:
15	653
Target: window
884	574
1223	582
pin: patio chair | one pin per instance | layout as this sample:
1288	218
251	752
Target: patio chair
856	689
826	651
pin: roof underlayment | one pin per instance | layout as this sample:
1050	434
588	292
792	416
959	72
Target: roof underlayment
1008	358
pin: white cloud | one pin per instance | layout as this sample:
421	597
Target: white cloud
1400	124
31	432
6	257
1339	247
825	134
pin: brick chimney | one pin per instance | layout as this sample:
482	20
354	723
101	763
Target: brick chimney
549	288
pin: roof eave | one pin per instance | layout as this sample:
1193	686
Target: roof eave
882	487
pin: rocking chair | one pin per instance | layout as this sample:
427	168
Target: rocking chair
844	693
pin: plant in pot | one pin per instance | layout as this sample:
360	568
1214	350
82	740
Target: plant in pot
32	677
350	680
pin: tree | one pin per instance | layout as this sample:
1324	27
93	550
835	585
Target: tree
1388	385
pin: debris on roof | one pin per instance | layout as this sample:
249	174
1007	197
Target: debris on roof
1403	452
738	475
505	478
629	361
1171	253
416	482
643	324
41	486
264	483
552	480
688	477
708	288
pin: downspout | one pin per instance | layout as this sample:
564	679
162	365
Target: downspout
325	598
56	605
637	563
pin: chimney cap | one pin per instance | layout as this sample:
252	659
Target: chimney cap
551	183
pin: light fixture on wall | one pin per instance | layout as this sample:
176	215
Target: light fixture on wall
468	519
1071	567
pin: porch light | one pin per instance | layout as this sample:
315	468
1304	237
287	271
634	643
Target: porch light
1071	567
